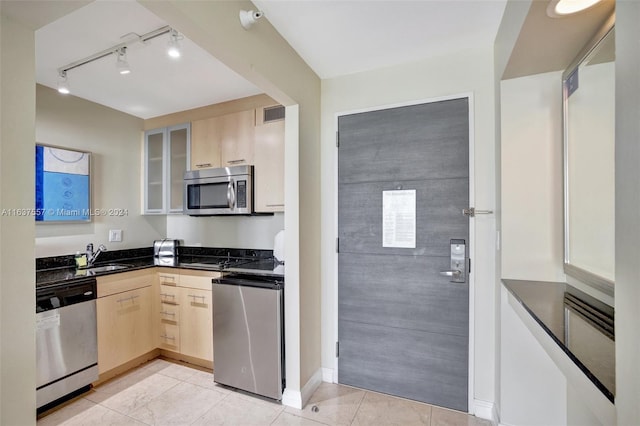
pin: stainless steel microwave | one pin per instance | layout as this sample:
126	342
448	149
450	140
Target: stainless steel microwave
220	191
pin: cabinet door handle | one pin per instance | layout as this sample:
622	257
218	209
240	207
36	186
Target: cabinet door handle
196	297
203	165
131	298
275	205
164	336
173	314
236	161
173	296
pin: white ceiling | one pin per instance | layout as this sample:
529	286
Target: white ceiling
157	84
335	37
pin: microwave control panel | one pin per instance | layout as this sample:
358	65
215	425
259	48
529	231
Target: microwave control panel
242	194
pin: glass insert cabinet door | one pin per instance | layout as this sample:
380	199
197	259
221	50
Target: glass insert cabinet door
155	173
166	159
178	158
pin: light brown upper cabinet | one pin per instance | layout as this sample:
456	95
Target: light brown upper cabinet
222	141
237	139
205	143
269	159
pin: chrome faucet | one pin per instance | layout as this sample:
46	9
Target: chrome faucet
91	256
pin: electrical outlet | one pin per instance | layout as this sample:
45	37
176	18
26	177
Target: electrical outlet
115	235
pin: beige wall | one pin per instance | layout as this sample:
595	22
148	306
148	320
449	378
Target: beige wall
114	140
17	298
264	58
215	110
255	232
465	72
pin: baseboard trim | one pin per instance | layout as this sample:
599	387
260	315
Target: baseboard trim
327	375
116	371
298	399
310	387
292	398
485	410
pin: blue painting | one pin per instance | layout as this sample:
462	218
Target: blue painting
62	185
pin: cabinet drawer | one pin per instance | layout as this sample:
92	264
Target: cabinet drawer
168	278
169	313
123	281
169	336
169	294
197	279
194	298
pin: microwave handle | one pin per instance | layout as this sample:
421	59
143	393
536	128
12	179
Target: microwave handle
231	194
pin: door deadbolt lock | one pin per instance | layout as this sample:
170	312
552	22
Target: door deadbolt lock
458	261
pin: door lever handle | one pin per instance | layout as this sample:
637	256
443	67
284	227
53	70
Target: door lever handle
458	261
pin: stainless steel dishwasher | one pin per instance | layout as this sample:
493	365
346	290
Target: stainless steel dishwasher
248	333
66	340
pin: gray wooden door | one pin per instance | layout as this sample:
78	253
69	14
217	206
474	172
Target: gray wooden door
403	327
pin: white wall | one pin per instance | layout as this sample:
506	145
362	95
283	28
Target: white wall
255	232
532	387
17	298
514	15
627	289
531	169
468	71
113	138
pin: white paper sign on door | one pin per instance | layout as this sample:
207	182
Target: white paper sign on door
399	218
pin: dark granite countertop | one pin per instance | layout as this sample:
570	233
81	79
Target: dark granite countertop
61	269
581	325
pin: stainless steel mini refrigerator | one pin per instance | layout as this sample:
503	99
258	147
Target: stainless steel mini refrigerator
248	337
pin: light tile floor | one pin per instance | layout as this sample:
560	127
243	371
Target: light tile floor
161	392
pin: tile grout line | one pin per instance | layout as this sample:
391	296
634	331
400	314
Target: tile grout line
212	407
161	393
355	414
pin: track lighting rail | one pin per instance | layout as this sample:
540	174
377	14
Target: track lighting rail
114	49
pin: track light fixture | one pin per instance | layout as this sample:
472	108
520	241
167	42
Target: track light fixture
120	51
121	61
63	84
173	50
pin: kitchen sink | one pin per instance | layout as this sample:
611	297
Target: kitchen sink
106	268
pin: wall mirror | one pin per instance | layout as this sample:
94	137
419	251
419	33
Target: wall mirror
589	163
62	185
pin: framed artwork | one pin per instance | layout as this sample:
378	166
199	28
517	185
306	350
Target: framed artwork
63	189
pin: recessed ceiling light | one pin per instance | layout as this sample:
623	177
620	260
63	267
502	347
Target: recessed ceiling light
561	8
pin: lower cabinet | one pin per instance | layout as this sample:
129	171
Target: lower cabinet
124	318
185	314
140	311
196	323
